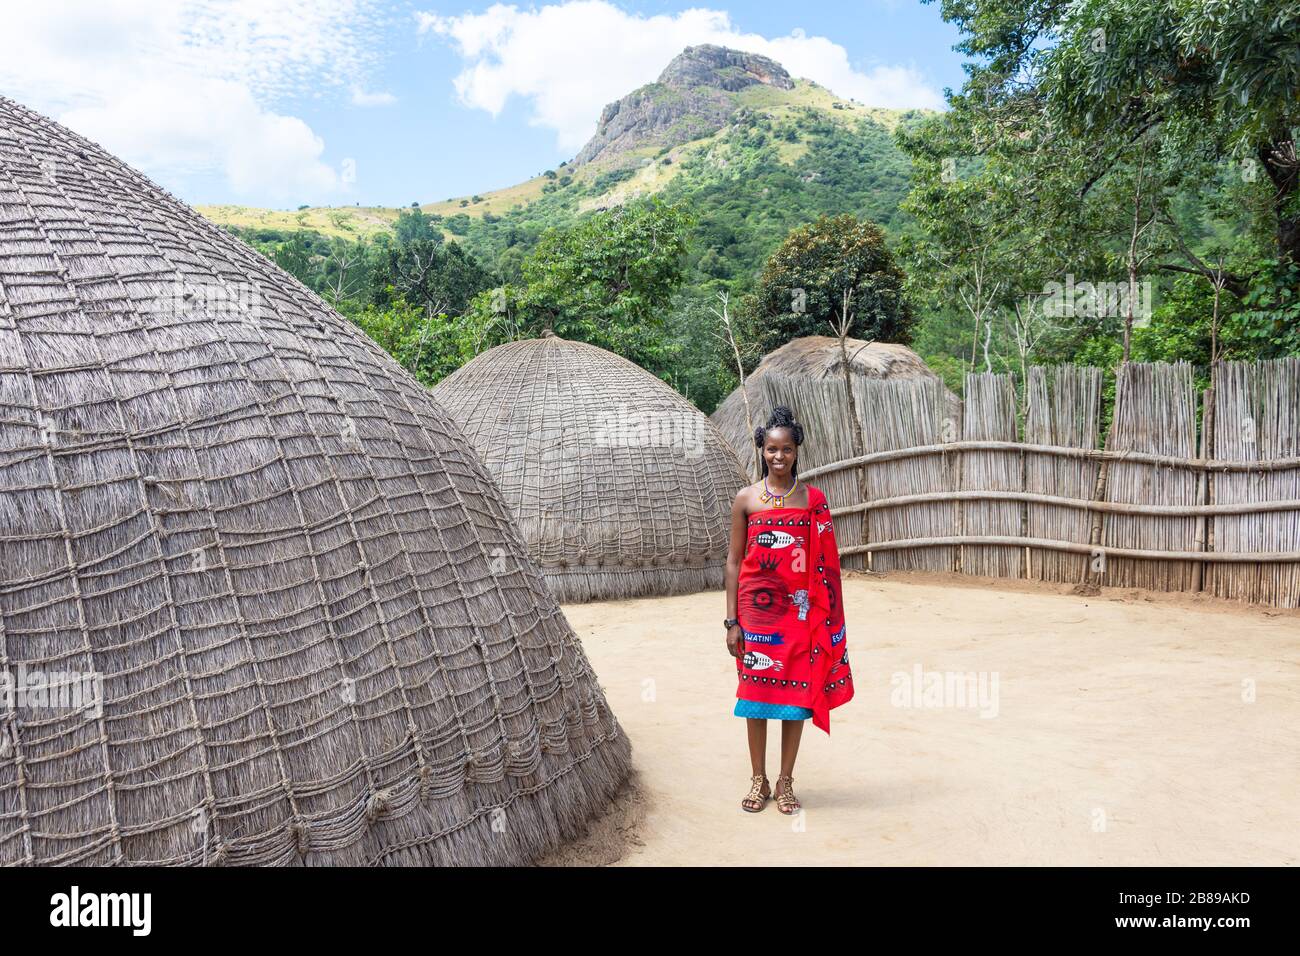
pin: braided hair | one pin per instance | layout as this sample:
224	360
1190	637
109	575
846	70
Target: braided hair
781	417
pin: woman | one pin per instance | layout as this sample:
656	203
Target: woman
785	623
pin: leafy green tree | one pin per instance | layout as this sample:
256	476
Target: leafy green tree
413	225
435	276
1270	315
803	287
1142	142
343	273
295	257
1203	95
608	280
431	347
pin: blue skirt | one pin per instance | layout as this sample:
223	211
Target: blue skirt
761	711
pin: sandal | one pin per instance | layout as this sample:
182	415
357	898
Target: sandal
756	799
786	801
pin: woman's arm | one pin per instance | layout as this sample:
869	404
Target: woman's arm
736	554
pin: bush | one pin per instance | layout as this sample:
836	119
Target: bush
801	288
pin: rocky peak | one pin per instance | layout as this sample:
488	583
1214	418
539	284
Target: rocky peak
724	69
693	97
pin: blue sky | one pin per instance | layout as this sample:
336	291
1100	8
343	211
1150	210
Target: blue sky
283	102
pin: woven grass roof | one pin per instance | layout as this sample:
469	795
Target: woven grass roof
317	633
621	487
814	357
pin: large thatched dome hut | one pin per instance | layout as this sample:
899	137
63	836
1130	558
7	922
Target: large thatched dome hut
813	358
621	487
260	603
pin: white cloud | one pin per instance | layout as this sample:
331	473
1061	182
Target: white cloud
572	58
186	87
827	63
362	97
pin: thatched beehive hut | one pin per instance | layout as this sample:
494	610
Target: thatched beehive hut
811	358
621	487
260	603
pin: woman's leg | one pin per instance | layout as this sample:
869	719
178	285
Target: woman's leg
791	731
756	729
759	789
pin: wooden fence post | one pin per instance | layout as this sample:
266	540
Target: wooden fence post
1099	490
1203	485
955	472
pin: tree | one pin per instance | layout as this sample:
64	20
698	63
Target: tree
802	286
1100	140
961	255
343	271
430	346
295	258
608	280
413	225
435	276
841	325
1079	89
727	334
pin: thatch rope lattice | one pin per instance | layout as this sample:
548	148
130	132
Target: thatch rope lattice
308	625
620	486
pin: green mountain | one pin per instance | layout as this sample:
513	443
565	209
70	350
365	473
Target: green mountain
752	150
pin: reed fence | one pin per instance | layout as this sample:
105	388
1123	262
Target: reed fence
1187	491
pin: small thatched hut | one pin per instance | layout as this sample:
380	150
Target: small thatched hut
814	358
260	603
620	486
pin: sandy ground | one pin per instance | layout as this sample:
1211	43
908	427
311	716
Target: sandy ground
1124	728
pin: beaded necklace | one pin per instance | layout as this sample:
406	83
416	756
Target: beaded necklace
770	495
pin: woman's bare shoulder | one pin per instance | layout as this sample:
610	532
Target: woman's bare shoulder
746	498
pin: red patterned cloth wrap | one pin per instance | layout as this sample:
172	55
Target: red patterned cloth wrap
789	606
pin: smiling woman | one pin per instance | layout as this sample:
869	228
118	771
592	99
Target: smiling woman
785	617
